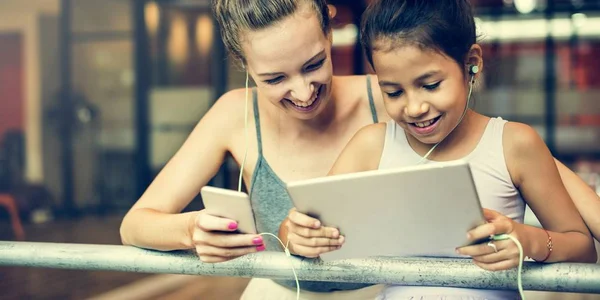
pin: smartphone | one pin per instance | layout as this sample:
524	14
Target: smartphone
230	204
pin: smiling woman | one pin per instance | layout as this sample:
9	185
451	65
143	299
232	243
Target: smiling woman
301	84
302	115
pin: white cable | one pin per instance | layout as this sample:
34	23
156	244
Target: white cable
520	269
457	123
493	237
245	137
289	255
285	247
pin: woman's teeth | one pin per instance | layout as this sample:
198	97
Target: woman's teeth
309	102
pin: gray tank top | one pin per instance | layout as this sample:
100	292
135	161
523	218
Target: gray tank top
271	204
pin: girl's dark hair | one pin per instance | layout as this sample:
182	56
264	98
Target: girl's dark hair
446	26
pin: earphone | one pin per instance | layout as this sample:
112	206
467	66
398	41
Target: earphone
473	71
245	132
286	246
501	237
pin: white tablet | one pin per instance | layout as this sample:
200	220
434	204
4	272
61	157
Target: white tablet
229	204
424	210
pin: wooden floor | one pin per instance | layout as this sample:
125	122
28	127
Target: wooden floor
39	283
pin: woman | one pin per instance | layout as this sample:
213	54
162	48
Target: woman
303	117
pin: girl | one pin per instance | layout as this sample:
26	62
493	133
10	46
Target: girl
426	58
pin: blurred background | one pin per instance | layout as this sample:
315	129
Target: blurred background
96	96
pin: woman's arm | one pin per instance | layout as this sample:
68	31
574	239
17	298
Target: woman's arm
586	200
155	221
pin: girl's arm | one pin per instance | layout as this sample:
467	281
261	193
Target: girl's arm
305	234
363	152
534	172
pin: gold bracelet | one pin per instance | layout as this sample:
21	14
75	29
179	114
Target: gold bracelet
549	245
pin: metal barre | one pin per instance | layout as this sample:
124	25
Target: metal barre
560	277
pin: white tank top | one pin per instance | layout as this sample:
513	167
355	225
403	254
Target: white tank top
494	186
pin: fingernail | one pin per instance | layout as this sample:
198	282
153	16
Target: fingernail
317	224
257	241
457	251
342	239
468	236
260	248
336	234
233	225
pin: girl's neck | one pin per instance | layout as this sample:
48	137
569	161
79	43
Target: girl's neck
459	143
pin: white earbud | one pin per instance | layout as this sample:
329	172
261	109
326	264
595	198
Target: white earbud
473	70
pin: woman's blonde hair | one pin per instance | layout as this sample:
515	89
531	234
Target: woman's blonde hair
238	16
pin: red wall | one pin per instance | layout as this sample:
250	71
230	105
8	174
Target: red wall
11	83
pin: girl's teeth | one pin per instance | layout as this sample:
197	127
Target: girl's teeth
424	124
